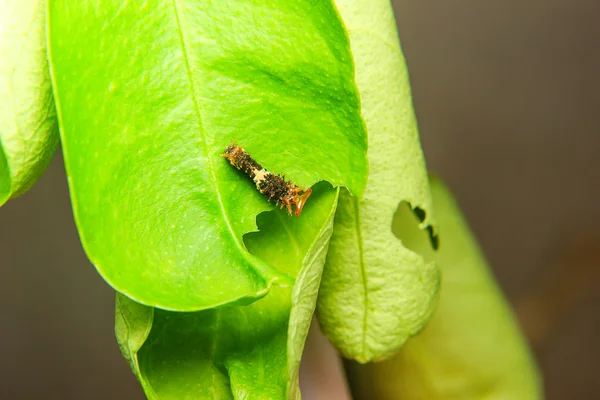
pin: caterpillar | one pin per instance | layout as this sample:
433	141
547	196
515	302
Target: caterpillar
274	187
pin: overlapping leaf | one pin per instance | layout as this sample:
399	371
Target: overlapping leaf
242	352
149	94
28	131
376	292
472	347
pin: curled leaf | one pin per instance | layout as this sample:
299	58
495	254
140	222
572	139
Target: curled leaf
28	129
376	292
472	347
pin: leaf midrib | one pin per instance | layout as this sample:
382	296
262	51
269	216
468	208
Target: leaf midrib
363	273
202	133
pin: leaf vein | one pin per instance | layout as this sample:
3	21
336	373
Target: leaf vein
211	167
363	273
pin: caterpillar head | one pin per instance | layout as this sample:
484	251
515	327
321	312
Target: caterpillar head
300	200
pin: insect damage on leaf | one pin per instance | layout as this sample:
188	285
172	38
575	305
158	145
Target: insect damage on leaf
273	187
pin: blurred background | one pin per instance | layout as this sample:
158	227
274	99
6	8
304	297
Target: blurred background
507	95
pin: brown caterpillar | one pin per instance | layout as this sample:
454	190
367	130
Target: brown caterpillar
274	187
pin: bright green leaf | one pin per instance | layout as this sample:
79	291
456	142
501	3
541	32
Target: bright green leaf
28	131
242	352
376	292
472	347
150	94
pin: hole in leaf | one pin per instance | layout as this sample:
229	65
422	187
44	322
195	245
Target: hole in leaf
405	226
433	238
284	239
419	212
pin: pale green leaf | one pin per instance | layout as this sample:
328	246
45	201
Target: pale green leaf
28	131
472	347
376	292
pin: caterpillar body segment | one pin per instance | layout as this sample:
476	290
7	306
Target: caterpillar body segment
274	187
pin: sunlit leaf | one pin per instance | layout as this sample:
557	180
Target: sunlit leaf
246	352
149	95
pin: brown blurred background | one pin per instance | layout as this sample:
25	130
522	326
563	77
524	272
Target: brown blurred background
507	95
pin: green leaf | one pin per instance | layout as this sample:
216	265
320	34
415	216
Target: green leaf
133	322
472	347
150	94
242	352
375	291
28	131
